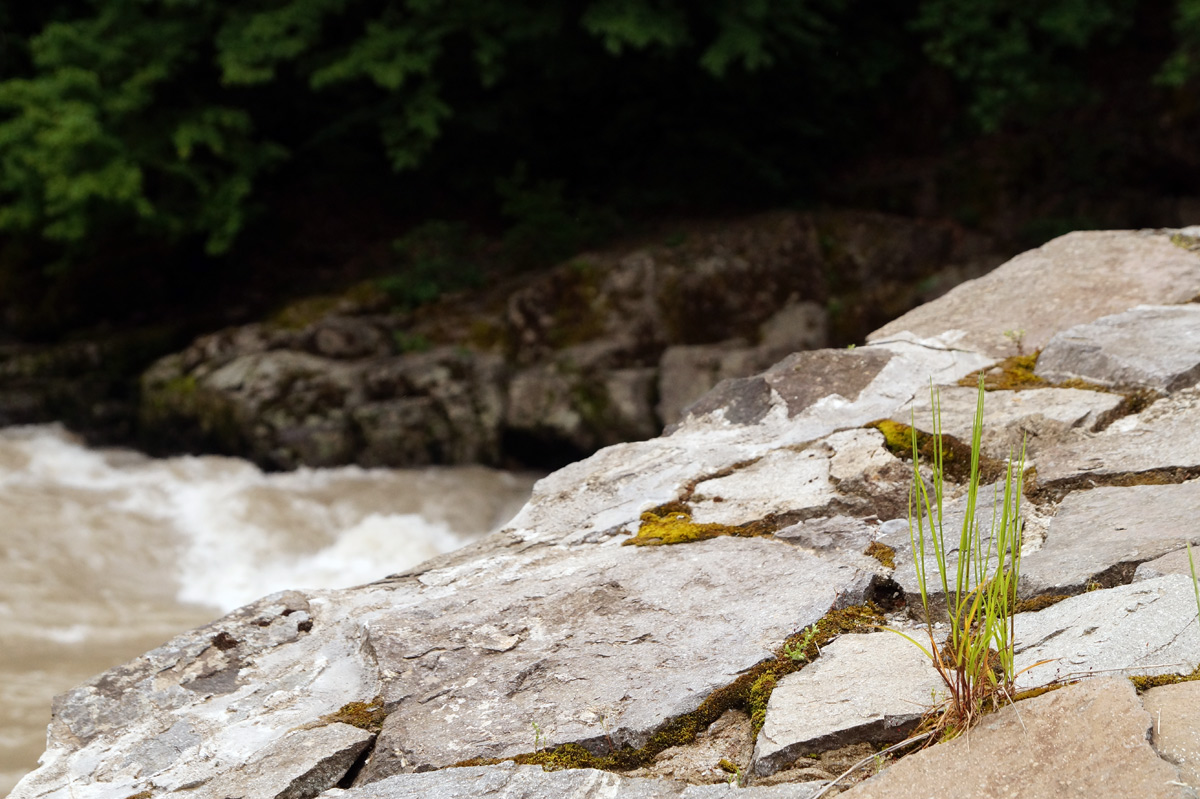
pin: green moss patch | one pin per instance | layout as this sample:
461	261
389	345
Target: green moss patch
1143	684
1034	604
672	524
750	693
956	456
367	716
882	553
1011	374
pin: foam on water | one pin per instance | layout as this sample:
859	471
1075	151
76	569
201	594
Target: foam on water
107	553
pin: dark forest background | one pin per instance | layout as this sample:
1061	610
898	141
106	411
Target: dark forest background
203	159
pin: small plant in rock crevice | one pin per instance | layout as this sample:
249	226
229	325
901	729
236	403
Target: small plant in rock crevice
978	576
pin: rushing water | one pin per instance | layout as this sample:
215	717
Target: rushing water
108	553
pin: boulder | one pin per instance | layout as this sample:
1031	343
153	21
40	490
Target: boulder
1083	741
1174	731
1111	351
871	688
1072	280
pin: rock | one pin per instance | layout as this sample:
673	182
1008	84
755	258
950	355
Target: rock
1112	351
483	657
862	688
1072	280
1083	741
540	369
729	738
1174	562
302	764
1144	628
1036	417
530	782
781	482
1162	438
1102	535
844	533
1174	732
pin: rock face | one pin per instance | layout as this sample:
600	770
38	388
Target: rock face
572	639
606	348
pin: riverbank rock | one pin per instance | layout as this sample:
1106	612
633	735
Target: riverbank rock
660	603
546	368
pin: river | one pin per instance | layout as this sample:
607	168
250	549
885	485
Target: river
108	553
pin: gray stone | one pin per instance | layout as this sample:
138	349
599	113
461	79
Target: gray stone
1174	562
300	765
1035	416
1117	350
780	482
530	782
1175	727
1102	535
728	738
844	533
1144	628
565	638
1165	436
1081	742
1072	280
862	688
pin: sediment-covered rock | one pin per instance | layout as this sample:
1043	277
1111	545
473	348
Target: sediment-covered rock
655	588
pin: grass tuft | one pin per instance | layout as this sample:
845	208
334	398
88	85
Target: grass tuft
978	575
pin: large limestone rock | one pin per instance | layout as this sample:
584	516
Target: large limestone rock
1072	280
1175	731
554	622
1080	742
871	688
1111	351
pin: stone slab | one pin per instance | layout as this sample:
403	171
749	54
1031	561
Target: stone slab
782	481
1165	436
862	688
1072	280
597	645
1103	534
1175	731
530	782
1150	346
1174	562
1081	742
1146	628
1010	417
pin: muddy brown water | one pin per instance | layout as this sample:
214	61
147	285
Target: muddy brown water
109	553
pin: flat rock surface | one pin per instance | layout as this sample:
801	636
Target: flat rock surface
1112	351
862	688
1084	741
1175	562
1175	714
1103	534
593	644
1143	628
1164	436
1009	417
1072	280
530	782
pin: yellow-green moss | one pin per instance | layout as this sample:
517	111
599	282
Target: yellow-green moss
1186	242
748	692
672	524
882	553
956	456
140	795
1145	683
728	766
1011	374
367	716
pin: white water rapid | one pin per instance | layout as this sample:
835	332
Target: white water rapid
108	553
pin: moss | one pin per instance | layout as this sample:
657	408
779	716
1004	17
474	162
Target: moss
760	695
728	766
1191	243
302	313
1034	604
956	456
1145	683
140	795
672	524
882	553
367	716
1011	374
749	691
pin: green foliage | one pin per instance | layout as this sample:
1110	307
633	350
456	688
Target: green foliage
545	226
434	258
1014	56
978	577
